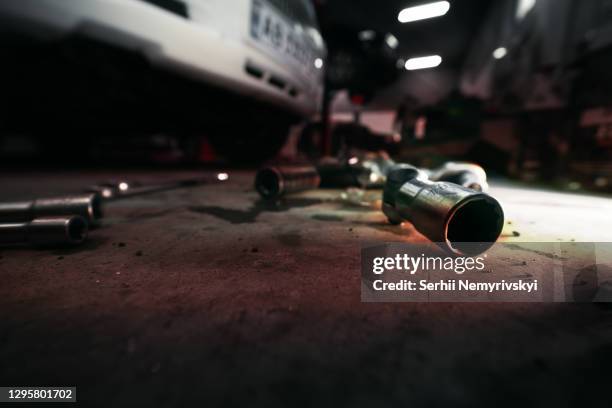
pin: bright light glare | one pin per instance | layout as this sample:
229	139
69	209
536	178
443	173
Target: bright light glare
500	53
430	61
123	186
424	11
222	176
353	160
391	41
318	63
523	7
316	36
367	35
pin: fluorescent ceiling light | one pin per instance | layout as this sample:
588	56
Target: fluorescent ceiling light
430	61
391	41
367	35
500	53
523	7
424	11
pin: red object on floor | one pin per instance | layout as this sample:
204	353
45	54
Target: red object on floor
207	152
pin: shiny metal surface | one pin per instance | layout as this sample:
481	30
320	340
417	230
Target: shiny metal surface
126	188
276	181
88	206
56	231
468	175
465	221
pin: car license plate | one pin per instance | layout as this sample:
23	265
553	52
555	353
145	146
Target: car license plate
276	34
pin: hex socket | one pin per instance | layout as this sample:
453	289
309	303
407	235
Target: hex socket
276	181
88	206
273	182
464	221
57	231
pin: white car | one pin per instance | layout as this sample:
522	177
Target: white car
268	51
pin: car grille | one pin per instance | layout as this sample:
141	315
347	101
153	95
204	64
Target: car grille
300	11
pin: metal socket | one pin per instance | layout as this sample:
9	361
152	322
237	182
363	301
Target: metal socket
57	231
276	181
88	206
464	221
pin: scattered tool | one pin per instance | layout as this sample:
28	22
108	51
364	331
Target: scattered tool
125	189
66	220
88	206
51	232
447	204
465	221
275	181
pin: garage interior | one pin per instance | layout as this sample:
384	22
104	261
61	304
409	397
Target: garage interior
207	294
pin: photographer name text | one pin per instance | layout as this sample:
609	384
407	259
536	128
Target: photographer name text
456	285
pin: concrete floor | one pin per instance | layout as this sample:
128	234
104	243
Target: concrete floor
210	297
